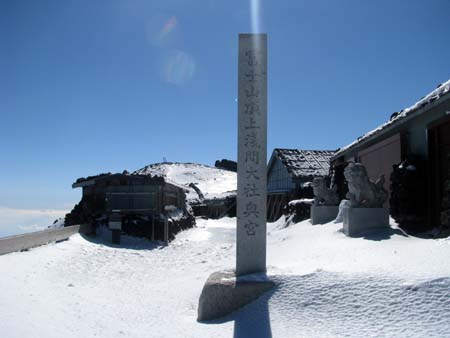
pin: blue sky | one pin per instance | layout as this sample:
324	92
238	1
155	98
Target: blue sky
91	86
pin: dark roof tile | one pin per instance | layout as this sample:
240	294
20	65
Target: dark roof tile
305	163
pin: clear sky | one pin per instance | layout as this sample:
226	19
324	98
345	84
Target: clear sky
90	86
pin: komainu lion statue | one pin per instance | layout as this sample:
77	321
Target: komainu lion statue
362	192
322	194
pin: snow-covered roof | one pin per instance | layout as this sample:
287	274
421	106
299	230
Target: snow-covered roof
437	94
91	180
303	163
212	182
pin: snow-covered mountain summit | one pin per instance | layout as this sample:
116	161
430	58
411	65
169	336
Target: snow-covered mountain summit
212	182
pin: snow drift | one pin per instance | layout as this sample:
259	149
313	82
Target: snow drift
328	285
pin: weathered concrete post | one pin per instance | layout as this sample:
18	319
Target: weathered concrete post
227	291
252	153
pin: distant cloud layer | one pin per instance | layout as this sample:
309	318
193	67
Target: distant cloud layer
19	221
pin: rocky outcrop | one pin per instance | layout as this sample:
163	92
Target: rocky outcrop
226	165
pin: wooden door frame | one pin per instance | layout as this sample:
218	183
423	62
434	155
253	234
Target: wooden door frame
433	171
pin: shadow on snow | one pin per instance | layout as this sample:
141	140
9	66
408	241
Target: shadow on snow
126	242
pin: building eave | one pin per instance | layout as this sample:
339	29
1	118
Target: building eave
393	125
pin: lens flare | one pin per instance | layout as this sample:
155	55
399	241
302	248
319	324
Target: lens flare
168	27
255	15
161	30
179	68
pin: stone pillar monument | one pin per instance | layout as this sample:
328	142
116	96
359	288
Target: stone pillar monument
227	291
252	154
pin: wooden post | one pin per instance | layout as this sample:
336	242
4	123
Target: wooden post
166	231
153	227
115	234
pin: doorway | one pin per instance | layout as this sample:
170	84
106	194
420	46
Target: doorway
439	167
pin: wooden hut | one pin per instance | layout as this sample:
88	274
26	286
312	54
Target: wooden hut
289	174
141	200
129	193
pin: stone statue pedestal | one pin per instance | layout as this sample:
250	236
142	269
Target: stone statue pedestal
359	221
321	214
225	293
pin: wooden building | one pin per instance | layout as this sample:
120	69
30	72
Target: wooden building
131	194
142	200
289	174
216	208
418	136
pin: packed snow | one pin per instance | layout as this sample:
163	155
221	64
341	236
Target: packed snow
212	182
328	285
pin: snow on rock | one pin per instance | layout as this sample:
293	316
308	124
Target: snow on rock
58	223
300	201
328	285
173	212
212	182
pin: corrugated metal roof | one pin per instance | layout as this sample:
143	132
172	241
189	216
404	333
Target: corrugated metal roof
305	163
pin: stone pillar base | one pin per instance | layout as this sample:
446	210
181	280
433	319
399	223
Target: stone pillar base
224	293
321	214
358	221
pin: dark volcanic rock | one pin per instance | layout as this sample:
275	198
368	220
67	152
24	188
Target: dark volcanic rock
226	165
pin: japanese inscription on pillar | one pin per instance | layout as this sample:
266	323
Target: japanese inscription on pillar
252	153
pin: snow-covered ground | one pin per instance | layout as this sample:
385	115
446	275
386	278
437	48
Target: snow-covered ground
212	182
328	285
